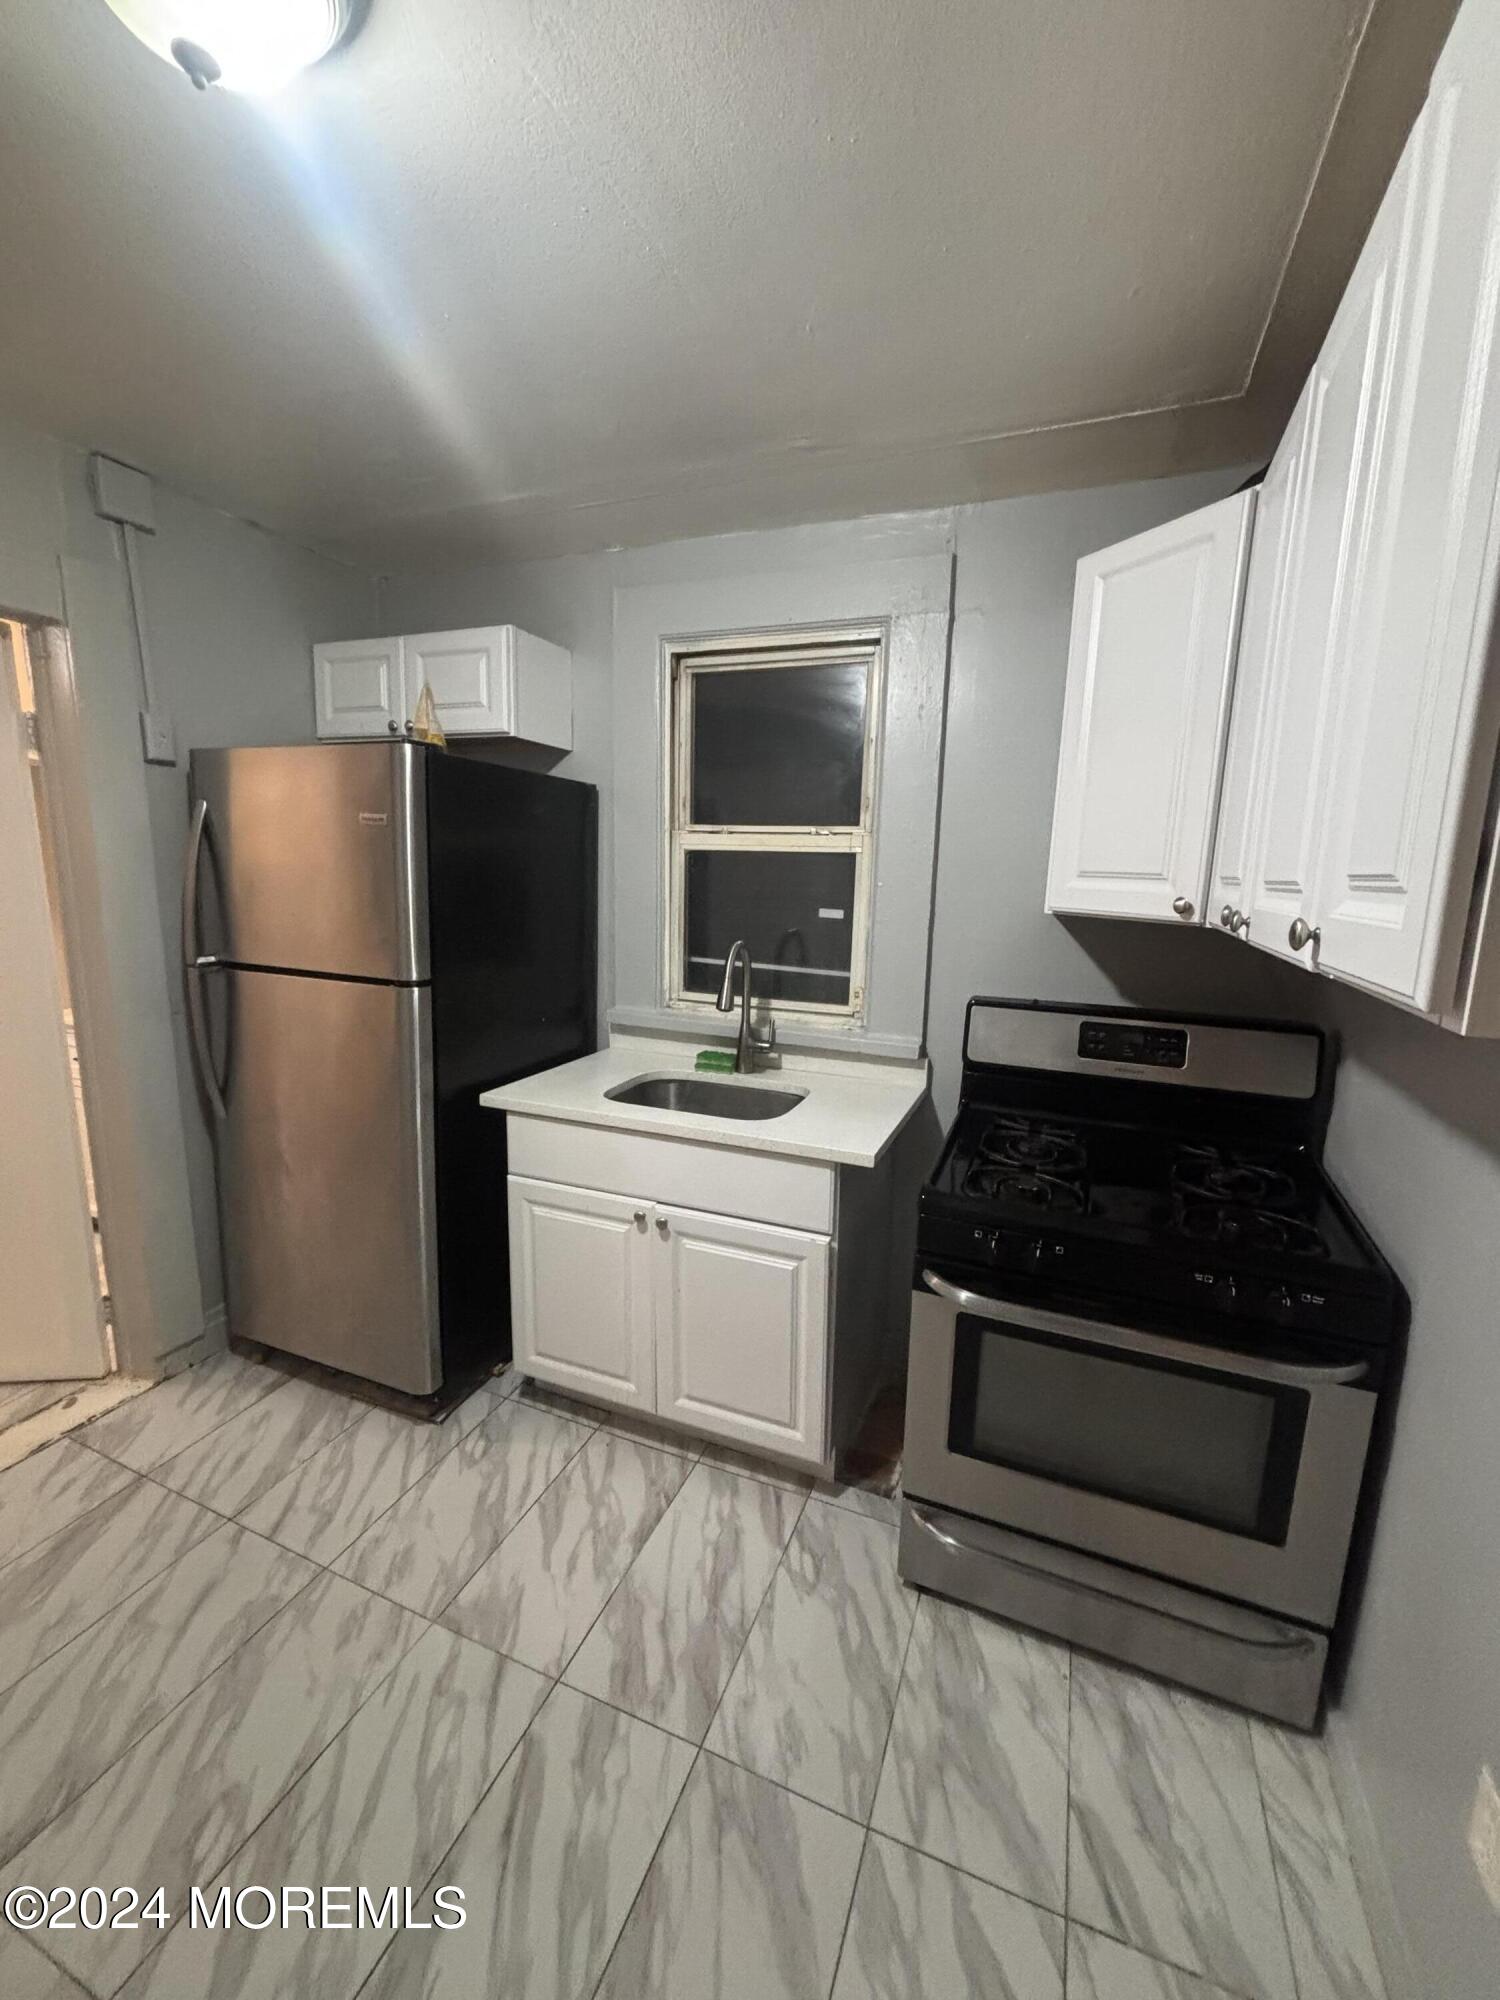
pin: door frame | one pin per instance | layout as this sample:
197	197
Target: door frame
118	1170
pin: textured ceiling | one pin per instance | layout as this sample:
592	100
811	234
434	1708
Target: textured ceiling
523	275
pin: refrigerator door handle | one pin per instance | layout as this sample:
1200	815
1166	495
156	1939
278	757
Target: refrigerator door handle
196	963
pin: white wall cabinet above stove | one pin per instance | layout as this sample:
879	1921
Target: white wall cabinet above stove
486	680
1150	667
1356	828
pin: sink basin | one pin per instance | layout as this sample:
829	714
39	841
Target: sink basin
711	1097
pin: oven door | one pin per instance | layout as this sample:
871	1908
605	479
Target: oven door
1235	1472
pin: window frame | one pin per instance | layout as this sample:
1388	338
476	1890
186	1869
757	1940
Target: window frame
687	660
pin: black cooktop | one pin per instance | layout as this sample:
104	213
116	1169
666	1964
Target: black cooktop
1145	1187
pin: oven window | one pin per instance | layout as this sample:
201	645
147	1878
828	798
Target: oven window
1185	1441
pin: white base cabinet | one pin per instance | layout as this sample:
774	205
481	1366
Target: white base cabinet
582	1272
486	680
716	1323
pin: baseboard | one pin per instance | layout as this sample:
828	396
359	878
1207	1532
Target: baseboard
215	1328
1386	1927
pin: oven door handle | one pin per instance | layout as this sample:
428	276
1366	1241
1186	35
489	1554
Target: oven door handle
1099	1334
1277	1639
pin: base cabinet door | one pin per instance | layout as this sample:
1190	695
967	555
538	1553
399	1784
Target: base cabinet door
1150	665
581	1279
742	1330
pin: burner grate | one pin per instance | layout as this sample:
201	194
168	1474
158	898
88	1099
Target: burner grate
1029	1161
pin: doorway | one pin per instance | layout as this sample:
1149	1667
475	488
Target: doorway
55	1332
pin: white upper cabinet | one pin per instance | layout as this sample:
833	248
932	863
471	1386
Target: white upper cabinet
1344	399
1415	731
486	680
1150	666
1361	798
357	688
1262	633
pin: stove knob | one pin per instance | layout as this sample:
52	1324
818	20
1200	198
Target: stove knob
1279	1302
1033	1252
1226	1291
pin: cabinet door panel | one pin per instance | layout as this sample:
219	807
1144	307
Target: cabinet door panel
581	1291
1404	811
742	1330
1262	633
471	674
1155	621
1345	401
357	688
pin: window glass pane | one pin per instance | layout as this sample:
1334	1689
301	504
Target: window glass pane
779	746
795	911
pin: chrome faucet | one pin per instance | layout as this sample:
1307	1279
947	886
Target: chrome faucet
750	1045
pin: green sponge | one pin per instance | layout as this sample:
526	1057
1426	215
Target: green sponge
715	1059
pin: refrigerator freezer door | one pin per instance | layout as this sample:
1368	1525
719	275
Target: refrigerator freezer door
326	1172
315	858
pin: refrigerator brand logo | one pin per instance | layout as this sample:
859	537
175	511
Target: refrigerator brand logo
374	819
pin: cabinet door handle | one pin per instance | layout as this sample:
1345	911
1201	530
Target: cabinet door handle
1182	905
640	1218
1226	917
1239	922
1302	934
663	1225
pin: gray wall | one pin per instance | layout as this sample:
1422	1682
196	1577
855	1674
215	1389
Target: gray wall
231	615
1415	1143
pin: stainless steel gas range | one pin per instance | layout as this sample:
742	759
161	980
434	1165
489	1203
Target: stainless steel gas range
1148	1342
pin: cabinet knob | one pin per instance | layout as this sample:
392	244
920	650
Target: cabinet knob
394	728
663	1225
1182	906
1226	917
1302	934
640	1218
1239	922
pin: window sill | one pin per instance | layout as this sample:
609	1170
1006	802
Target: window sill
790	1034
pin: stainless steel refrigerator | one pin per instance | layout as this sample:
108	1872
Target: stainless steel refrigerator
373	933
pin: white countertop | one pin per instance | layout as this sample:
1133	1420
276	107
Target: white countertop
849	1116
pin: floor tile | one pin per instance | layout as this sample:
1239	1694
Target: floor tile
732	1459
151	1428
380	1807
328	1501
185	1798
1332	1950
809	1703
976	1772
666	1643
58	1589
550	1863
249	1454
1101	1968
26	1974
745	1900
46	1492
424	1549
537	1595
878	1498
1167	1842
67	1722
918	1926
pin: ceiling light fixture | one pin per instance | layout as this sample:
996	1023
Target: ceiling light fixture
255	46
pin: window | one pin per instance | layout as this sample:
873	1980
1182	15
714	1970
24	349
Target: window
772	788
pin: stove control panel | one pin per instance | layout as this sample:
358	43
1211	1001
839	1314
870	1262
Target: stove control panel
1140	1042
1241	1295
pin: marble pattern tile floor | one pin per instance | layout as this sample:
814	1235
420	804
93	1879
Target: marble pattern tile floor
666	1714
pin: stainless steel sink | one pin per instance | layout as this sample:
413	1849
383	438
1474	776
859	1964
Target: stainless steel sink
711	1097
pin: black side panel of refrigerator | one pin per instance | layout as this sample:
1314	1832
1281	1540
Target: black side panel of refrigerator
512	901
